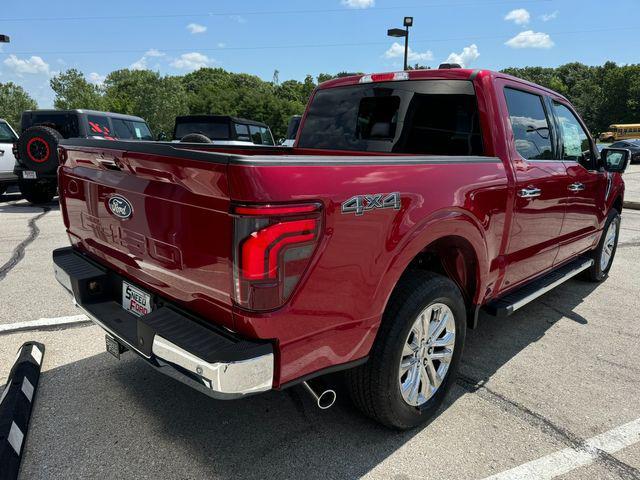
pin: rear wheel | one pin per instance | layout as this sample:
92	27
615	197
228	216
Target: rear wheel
38	192
416	354
38	149
605	252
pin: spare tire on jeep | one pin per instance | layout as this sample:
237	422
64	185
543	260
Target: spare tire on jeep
38	149
195	138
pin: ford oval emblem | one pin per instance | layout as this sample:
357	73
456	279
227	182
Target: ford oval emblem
120	207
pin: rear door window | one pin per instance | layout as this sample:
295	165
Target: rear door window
438	117
99	127
242	132
530	125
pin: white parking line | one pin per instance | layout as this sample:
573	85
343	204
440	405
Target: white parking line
42	323
563	461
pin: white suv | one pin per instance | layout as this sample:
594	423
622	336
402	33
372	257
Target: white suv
7	161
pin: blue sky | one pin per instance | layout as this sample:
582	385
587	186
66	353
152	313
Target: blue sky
305	37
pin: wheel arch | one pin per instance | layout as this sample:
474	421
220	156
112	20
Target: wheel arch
453	244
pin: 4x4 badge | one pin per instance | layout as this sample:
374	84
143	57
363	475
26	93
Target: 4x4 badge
120	207
363	203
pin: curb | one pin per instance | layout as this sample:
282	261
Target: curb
16	404
631	205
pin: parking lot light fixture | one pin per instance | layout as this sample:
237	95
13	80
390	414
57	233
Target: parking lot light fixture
398	32
4	38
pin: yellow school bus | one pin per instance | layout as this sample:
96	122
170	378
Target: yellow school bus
621	132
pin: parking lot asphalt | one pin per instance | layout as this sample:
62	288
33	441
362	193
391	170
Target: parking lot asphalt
562	370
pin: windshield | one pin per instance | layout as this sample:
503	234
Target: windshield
6	134
438	117
213	130
131	129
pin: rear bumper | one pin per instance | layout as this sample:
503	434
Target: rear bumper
210	359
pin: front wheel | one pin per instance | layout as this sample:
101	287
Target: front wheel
416	354
605	252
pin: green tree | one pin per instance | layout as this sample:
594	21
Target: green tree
13	101
73	91
146	94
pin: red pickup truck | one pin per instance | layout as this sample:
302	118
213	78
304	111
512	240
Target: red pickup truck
410	201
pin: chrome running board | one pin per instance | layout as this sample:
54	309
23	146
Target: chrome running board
505	306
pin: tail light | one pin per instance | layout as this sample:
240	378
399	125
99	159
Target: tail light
273	245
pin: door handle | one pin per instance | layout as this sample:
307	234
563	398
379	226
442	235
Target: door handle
576	187
529	192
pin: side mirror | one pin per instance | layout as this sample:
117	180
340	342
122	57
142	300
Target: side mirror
615	159
162	137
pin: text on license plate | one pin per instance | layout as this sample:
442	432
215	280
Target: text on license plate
135	300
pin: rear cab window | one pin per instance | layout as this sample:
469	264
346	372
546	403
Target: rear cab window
214	130
432	117
530	124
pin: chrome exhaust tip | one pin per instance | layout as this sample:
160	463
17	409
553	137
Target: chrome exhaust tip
324	399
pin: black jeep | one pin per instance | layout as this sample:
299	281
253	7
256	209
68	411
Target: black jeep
36	151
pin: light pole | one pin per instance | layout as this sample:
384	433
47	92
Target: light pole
398	32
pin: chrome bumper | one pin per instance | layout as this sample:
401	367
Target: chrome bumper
221	380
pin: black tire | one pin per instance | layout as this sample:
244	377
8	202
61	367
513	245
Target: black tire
38	149
195	138
375	386
38	192
596	273
3	189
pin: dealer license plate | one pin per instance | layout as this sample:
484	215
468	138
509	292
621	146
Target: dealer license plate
135	301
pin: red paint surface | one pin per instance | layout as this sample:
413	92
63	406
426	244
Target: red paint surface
178	243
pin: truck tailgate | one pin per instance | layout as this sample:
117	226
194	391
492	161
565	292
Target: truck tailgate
161	221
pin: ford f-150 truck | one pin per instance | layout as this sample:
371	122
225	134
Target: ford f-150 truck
409	202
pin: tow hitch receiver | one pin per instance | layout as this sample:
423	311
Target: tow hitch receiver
114	347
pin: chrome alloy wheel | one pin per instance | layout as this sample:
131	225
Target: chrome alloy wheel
427	354
609	244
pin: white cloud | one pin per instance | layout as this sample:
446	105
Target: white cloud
142	63
139	64
96	78
196	28
397	51
358	3
466	57
31	66
530	39
549	16
518	16
154	53
192	61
